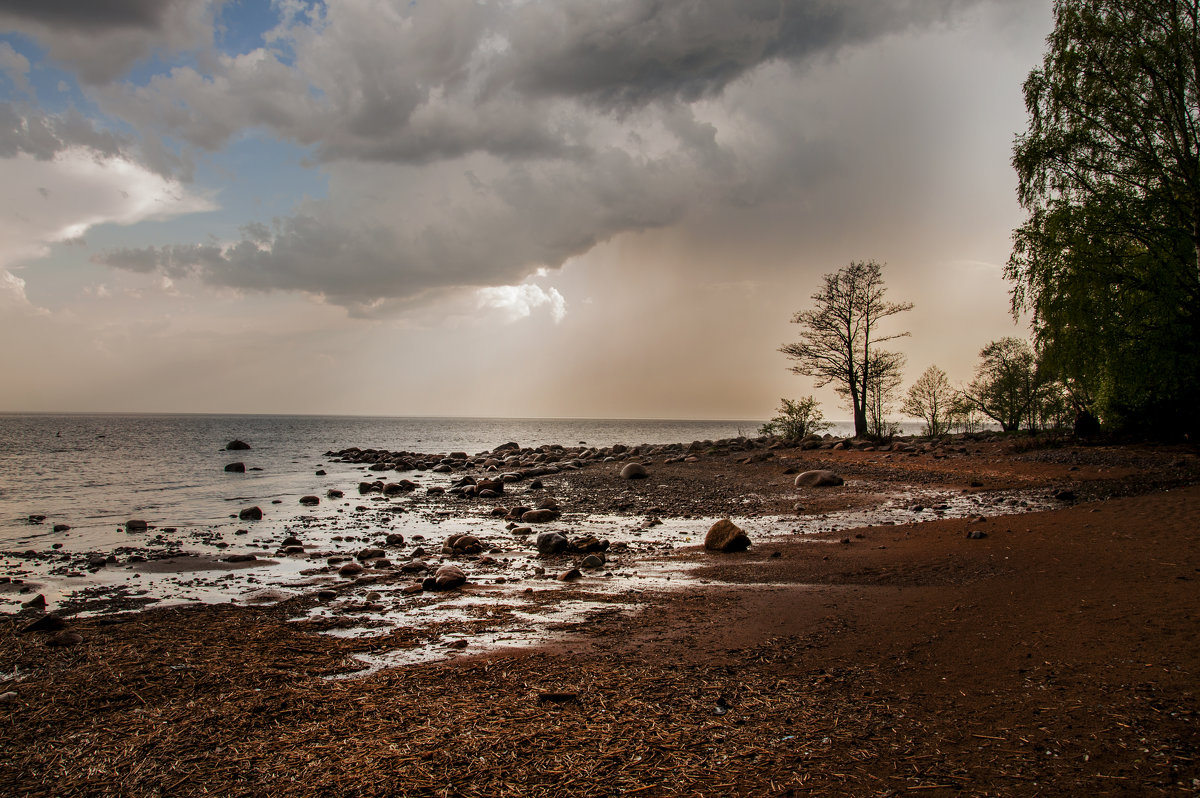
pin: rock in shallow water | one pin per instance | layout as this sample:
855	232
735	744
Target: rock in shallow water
818	479
726	536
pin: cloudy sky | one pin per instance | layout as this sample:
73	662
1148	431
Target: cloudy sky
574	208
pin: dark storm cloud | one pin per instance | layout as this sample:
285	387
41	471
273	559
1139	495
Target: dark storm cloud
369	267
101	39
506	138
88	14
627	54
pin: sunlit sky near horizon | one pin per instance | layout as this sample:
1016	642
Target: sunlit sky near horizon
534	208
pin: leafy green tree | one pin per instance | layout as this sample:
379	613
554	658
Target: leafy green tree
930	398
796	418
1108	261
1006	383
840	334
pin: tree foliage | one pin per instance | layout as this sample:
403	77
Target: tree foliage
840	335
1108	260
930	398
796	418
1006	383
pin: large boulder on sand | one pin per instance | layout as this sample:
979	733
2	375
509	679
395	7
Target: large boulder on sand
726	536
634	471
250	514
818	479
551	543
236	446
449	577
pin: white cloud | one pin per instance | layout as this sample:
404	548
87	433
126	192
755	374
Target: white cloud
54	200
518	302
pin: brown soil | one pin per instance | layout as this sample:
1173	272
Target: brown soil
1056	656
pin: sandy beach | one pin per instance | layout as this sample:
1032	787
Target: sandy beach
1034	632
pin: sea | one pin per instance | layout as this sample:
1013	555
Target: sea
93	472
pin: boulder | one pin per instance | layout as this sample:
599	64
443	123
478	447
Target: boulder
818	479
350	569
235	558
634	471
38	602
726	536
136	525
569	576
551	543
449	577
540	516
593	561
310	501
47	623
236	468
334	493
395	539
247	514
62	527
236	446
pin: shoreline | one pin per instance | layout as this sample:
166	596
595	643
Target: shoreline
803	639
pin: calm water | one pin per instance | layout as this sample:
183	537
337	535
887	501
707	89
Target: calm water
94	472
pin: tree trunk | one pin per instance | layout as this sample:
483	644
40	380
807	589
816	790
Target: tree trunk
860	420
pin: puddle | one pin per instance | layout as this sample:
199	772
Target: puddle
512	598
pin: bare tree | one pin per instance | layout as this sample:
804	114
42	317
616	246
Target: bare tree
839	338
930	399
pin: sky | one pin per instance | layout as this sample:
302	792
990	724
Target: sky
509	208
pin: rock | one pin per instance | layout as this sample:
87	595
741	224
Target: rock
459	644
570	576
412	589
818	479
65	638
465	544
589	544
350	569
8	698
551	543
309	501
395	539
136	525
521	531
449	577
333	493
243	558
293	550
327	594
539	516
1065	495
236	446
370	554
236	468
291	541
249	514
38	602
976	534
593	561
50	622
61	527
726	536
634	471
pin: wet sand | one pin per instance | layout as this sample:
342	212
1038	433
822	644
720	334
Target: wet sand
1055	655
